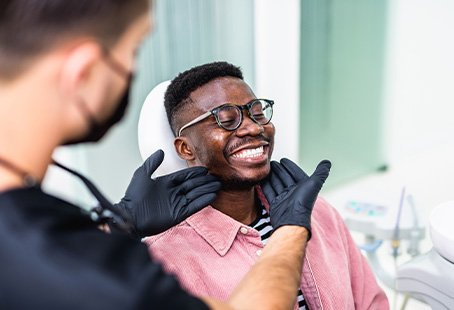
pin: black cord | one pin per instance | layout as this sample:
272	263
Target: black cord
105	211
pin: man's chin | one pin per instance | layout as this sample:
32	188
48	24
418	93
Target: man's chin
240	184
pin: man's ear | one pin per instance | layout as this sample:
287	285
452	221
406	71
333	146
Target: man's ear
78	67
184	148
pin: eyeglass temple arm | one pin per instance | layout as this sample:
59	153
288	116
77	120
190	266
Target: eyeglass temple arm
195	120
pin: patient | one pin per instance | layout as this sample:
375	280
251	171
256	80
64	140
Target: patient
212	250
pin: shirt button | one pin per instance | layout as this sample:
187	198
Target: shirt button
259	252
244	230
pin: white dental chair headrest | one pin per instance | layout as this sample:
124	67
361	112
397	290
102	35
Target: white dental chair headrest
154	131
442	229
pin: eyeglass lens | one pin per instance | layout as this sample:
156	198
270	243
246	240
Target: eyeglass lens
230	117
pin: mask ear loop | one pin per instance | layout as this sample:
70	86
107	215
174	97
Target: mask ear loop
91	120
115	65
105	211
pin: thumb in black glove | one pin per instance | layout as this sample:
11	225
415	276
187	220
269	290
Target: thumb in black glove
155	205
291	193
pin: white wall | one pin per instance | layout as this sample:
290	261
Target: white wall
420	76
277	48
419	73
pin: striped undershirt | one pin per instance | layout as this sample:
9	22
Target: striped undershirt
263	226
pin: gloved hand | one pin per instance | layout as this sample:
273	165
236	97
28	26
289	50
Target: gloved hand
155	205
291	193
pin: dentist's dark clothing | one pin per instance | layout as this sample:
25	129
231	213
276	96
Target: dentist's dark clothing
53	256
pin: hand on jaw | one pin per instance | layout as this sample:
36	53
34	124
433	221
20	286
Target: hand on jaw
156	204
291	193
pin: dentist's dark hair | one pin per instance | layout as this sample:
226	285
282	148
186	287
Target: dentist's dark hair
29	28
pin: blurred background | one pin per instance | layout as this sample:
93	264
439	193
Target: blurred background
365	83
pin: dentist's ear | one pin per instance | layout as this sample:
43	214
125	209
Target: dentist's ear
184	148
77	69
78	79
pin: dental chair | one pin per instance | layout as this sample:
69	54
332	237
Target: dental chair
154	131
430	277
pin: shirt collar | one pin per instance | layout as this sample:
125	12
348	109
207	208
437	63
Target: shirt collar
220	230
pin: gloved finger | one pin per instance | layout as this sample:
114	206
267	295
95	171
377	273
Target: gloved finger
153	162
196	182
267	189
181	176
275	180
200	182
272	187
267	184
142	176
283	175
322	171
203	188
308	190
297	173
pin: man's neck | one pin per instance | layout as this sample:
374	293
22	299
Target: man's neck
26	138
238	204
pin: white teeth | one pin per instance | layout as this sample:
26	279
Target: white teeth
249	153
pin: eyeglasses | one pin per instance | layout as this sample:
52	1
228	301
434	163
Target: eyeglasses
230	116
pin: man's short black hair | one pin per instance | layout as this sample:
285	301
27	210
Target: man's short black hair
177	94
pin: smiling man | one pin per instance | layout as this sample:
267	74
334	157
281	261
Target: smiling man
234	139
219	123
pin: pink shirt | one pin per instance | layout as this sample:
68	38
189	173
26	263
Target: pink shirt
210	253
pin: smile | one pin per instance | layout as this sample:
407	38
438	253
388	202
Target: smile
249	153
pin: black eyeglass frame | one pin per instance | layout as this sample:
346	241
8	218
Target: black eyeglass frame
215	111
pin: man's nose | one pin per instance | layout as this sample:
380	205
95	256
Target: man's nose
249	127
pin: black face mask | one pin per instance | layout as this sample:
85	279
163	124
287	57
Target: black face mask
99	129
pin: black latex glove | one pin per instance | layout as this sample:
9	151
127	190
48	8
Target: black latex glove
155	205
291	193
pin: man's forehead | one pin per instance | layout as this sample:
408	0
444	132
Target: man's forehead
222	90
